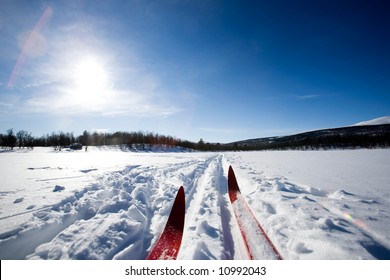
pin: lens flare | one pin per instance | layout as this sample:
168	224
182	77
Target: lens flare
34	44
357	222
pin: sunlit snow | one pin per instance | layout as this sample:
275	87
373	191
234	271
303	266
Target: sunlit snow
111	204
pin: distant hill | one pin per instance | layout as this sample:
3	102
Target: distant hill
357	136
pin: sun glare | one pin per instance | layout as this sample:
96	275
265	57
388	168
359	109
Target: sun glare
90	86
90	75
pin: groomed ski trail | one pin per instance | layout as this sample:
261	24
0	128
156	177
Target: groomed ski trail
210	231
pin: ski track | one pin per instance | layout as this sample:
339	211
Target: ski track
122	214
205	235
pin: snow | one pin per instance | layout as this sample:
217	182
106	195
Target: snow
377	121
111	204
320	204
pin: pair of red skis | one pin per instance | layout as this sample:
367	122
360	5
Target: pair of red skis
257	243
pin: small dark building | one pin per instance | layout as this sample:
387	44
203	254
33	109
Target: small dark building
76	146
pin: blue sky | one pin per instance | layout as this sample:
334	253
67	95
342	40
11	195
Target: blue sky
217	70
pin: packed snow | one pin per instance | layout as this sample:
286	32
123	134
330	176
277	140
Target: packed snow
107	203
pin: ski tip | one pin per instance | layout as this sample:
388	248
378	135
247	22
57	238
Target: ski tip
231	174
233	188
177	215
181	196
168	245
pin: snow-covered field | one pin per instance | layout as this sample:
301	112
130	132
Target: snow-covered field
110	204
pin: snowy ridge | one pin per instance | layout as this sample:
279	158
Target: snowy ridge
114	205
350	137
377	121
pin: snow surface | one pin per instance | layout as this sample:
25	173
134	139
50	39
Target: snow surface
377	121
111	204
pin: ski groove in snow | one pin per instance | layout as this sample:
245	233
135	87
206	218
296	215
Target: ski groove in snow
207	234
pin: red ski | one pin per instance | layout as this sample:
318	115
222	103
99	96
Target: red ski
168	245
258	244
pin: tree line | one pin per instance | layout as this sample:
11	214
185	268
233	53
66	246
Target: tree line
22	139
341	138
58	140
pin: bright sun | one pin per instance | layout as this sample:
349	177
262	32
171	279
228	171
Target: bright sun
90	80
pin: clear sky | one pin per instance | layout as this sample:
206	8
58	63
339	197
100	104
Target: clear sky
221	70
